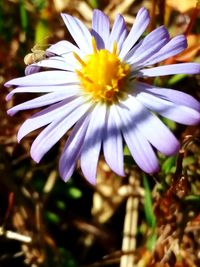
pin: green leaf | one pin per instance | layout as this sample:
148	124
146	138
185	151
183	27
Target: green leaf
74	192
187	161
52	217
151	241
126	151
41	32
94	3
61	205
1	16
176	78
39	5
168	164
148	206
170	124
192	198
23	15
66	259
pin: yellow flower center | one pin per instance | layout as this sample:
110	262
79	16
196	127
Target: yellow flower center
103	75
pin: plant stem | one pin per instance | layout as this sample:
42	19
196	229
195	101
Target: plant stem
130	226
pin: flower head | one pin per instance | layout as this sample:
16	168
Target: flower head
93	88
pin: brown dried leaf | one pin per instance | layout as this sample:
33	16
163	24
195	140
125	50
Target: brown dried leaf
193	48
182	5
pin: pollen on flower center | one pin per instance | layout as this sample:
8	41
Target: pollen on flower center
103	75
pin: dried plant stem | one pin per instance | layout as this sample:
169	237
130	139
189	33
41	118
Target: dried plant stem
50	182
153	15
120	8
130	227
193	19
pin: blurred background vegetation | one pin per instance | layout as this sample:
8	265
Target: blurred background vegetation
46	222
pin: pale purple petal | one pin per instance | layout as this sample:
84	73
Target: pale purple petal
140	149
171	95
92	143
172	48
42	101
79	33
144	43
150	40
72	148
54	131
185	114
44	78
152	128
159	38
180	114
100	28
112	142
49	114
147	43
118	33
44	89
132	51
182	68
31	69
138	28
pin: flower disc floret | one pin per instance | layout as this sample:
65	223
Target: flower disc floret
103	75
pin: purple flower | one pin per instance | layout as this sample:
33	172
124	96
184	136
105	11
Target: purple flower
93	86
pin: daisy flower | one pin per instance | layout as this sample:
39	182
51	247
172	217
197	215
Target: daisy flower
93	87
